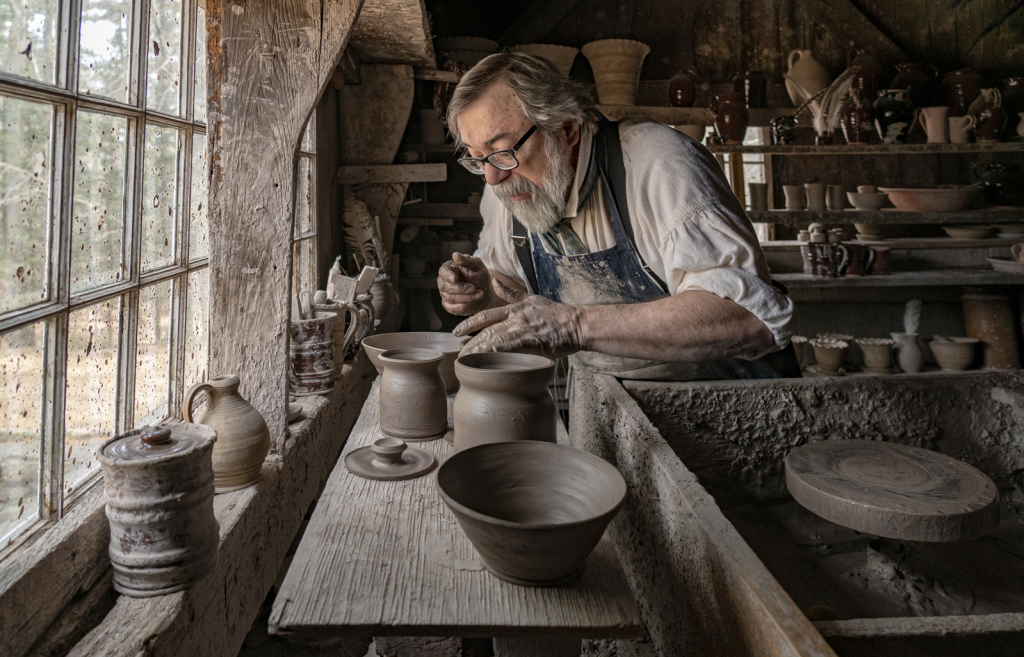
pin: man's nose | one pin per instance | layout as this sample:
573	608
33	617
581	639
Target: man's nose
494	175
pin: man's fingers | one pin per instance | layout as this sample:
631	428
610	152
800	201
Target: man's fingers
504	338
507	293
482	320
449	272
468	262
445	287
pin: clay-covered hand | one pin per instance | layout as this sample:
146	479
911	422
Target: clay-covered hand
531	324
465	285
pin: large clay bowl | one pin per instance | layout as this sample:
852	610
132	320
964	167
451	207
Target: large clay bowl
446	343
533	511
955	355
867	201
950	198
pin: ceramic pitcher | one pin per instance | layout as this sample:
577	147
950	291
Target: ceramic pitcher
960	128
935	121
413	400
909	355
731	116
243	439
806	70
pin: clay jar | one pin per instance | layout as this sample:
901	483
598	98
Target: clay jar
616	65
243	439
830	354
806	70
877	354
681	90
753	86
919	80
311	368
731	117
857	119
413	400
894	114
988	318
962	87
503	397
869	78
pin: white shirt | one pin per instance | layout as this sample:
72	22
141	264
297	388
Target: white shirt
689	227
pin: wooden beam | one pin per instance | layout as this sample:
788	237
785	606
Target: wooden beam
394	32
666	115
424	221
448	210
435	75
535	23
391	173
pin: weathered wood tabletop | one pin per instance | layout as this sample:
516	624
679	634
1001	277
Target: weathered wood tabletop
389	558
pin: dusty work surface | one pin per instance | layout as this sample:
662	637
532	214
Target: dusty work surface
388	557
859	576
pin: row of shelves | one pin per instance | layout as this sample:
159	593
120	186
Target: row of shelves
907	243
994	215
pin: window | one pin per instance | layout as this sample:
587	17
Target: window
304	275
753	168
103	280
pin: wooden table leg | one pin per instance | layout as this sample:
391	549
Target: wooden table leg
538	646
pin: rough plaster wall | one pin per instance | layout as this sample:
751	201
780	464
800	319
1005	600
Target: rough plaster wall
735	435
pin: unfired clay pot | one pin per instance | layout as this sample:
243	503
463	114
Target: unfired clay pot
616	64
830	354
413	401
243	439
953	354
503	397
446	343
533	511
988	318
877	354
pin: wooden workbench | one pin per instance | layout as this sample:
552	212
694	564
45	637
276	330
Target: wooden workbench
389	558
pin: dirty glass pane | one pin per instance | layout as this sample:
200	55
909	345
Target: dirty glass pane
304	261
309	135
197	327
304	197
91	392
28	39
98	229
24	201
105	39
164	71
159	200
153	354
198	230
200	79
21	401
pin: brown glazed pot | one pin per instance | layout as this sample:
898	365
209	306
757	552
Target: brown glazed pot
988	318
869	78
243	438
857	119
533	511
311	355
731	117
503	397
681	90
962	87
920	79
413	401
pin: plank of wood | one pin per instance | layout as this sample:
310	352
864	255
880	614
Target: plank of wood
434	74
534	24
870	149
424	221
905	243
391	173
999	215
446	210
390	558
394	32
904	279
666	115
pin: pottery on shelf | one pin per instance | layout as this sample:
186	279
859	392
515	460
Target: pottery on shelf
987	109
935	121
816	196
1002	184
731	116
960	129
758	196
946	198
616	64
783	129
989	318
413	401
873	231
753	87
894	114
533	511
799	342
867	201
681	90
158	494
919	79
243	439
881	264
877	354
561	56
967	232
383	295
796	197
868	80
347	325
830	354
860	260
835	197
857	118
909	355
962	87
446	343
311	365
802	67
503	397
953	354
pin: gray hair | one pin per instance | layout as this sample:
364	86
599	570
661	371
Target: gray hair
547	98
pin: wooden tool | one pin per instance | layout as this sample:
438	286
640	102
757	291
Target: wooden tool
892	490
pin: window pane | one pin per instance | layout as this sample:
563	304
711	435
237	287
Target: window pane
200	79
162	88
197	327
159	200
24	201
28	39
304	197
153	354
91	393
105	38
304	261
21	400
198	232
98	229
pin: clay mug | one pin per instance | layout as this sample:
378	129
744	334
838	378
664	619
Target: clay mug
835	197
243	438
731	117
346	327
758	196
815	196
796	197
503	397
960	128
908	354
880	267
860	261
989	115
935	121
413	400
311	360
830	260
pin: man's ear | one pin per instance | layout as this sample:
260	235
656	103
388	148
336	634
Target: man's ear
572	133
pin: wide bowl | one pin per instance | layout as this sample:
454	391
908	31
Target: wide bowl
948	198
967	232
867	201
955	355
533	511
446	343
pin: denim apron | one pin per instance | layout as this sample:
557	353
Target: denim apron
618	275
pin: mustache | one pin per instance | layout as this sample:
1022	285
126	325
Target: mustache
514	187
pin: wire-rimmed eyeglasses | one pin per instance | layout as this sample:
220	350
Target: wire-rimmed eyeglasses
505	160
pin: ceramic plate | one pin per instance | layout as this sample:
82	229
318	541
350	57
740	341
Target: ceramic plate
1007	265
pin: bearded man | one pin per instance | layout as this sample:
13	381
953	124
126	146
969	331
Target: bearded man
622	242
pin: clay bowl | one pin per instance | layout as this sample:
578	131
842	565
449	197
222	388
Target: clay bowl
867	201
948	198
967	232
446	343
873	231
534	511
955	355
830	354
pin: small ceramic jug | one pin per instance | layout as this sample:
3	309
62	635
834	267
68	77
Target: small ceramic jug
880	267
909	355
830	259
960	128
935	121
681	90
311	355
857	118
806	70
860	260
413	401
346	327
962	87
990	118
731	117
869	78
243	438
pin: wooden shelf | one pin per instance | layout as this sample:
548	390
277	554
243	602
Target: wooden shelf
907	243
441	210
932	277
427	148
998	215
391	173
872	149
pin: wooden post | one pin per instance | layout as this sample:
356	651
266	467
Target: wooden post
268	64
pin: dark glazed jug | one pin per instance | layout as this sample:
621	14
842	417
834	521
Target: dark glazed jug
919	79
962	87
1002	184
869	78
894	114
857	119
753	86
681	90
731	117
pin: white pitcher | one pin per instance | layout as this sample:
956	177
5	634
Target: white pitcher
960	128
808	72
935	121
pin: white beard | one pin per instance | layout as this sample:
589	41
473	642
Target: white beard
543	209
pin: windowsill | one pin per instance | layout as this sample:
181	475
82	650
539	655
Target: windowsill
58	561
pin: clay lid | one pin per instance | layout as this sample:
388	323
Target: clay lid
389	459
156	443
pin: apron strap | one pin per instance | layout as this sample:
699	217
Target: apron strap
521	241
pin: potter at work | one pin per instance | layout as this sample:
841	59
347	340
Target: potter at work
620	241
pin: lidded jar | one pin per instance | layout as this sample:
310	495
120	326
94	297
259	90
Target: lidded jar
158	489
503	397
413	399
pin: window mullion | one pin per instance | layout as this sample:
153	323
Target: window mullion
179	299
126	359
139	54
135	162
188	56
67	49
55	351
